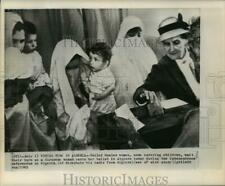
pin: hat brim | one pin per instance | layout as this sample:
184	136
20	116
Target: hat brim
172	33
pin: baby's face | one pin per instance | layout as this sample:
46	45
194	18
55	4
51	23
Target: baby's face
31	43
19	39
96	62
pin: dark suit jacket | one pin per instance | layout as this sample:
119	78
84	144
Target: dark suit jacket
167	78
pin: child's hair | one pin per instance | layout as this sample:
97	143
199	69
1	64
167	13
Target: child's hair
18	27
102	49
29	28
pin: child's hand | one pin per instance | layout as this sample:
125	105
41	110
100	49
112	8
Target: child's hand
106	93
98	96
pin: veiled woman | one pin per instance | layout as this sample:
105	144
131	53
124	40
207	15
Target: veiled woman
16	81
131	61
72	113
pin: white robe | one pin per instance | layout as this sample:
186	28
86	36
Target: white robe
64	51
131	62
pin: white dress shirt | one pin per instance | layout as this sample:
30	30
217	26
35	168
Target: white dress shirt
186	66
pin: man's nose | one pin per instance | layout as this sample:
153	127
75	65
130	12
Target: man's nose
171	47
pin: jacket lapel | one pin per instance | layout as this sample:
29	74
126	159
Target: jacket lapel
177	75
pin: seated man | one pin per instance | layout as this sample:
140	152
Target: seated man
175	75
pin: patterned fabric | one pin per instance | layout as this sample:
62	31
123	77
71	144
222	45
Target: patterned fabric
98	83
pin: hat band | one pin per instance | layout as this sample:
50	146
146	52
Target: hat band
173	26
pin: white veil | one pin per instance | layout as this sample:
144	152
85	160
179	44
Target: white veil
131	62
15	64
63	94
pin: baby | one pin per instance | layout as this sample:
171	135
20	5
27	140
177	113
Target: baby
40	77
40	86
101	82
40	92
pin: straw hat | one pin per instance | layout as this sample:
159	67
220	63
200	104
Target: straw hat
171	27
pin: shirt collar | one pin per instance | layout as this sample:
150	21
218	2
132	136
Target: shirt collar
186	60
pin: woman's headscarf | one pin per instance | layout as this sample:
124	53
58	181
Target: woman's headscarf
64	51
15	64
10	21
131	62
127	24
135	48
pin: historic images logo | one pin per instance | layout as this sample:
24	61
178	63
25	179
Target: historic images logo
123	179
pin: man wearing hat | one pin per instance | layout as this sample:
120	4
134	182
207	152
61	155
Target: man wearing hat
176	75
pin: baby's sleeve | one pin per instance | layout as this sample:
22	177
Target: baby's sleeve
112	78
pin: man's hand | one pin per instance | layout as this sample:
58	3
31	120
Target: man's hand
143	96
155	108
150	99
150	96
